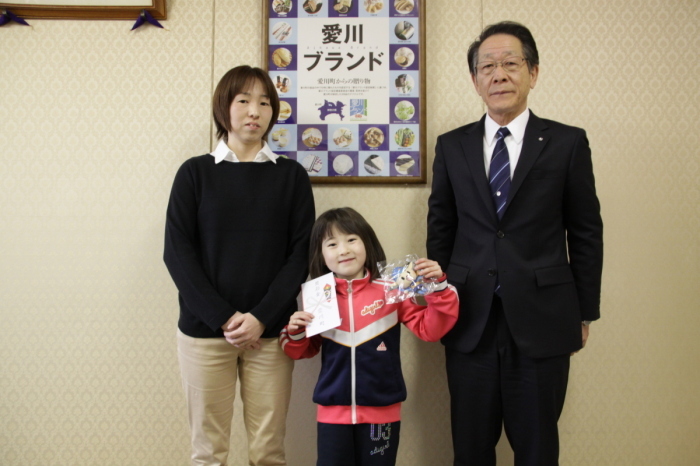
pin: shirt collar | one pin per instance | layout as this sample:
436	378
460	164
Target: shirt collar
223	152
516	127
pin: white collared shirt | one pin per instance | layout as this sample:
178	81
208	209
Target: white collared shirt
223	152
514	142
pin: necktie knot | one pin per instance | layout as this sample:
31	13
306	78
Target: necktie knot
503	132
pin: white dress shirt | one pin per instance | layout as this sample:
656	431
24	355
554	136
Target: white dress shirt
514	142
223	152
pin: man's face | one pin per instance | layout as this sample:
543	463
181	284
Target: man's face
504	93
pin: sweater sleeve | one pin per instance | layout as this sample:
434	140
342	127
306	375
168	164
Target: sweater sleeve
286	284
432	322
183	258
297	345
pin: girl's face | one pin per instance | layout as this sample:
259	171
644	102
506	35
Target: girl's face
344	255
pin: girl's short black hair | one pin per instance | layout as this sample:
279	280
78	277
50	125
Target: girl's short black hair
346	220
235	81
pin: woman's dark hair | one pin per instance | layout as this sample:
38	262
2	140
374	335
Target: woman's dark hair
511	28
348	221
234	82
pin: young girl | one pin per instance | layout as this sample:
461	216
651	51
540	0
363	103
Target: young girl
236	245
361	387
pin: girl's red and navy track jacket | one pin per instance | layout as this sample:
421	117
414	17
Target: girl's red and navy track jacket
361	379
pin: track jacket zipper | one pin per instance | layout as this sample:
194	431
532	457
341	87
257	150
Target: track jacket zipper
353	372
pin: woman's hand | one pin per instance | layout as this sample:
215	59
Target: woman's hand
299	320
427	268
243	331
229	323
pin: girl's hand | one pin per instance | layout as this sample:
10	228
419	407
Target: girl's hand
299	319
427	268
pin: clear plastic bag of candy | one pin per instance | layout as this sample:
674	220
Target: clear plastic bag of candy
401	282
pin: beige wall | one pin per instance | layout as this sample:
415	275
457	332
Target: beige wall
94	121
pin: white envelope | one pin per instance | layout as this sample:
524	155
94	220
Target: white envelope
318	298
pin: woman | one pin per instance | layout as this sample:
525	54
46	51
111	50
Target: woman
236	246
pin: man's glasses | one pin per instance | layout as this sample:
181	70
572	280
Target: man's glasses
510	65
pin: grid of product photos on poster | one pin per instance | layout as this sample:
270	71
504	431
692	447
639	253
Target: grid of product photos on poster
347	73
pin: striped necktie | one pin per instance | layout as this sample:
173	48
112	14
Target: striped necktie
499	173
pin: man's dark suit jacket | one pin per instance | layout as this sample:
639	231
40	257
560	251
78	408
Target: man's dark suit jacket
547	250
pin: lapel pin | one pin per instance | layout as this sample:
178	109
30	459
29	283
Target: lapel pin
541	139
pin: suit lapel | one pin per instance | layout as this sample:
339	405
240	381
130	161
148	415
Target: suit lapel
534	141
473	148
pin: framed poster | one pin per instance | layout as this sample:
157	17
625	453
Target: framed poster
85	9
351	79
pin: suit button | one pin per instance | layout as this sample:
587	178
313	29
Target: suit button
492	272
500	234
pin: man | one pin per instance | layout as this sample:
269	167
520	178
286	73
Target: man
515	220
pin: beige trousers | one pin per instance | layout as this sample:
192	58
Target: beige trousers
210	368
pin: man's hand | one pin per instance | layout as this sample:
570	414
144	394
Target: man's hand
585	329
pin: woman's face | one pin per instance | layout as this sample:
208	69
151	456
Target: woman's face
250	116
